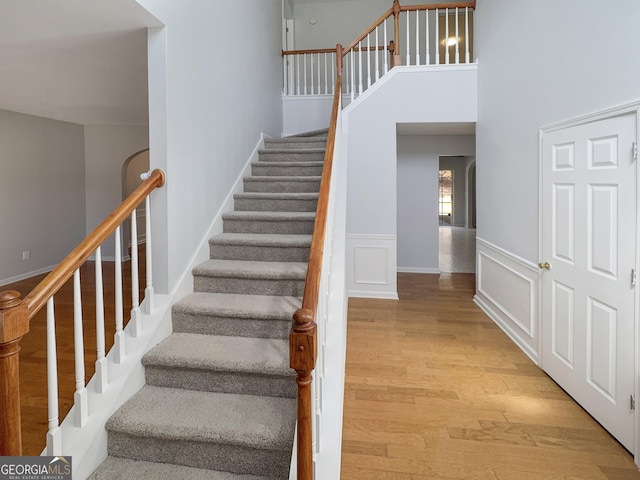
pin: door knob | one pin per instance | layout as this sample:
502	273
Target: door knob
544	266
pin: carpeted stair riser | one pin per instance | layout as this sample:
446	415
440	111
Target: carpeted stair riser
294	143
294	169
289	287
276	202
220	431
288	155
124	468
267	184
220	248
257	316
221	364
270	223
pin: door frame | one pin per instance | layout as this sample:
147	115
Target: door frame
625	109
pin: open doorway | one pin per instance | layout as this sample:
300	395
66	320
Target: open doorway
456	212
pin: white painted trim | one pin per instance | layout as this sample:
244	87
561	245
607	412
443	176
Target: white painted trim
435	271
185	285
24	276
524	262
369	294
362	236
616	111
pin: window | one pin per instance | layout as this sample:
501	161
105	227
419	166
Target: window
445	196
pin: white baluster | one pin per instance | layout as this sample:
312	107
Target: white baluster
466	35
54	435
408	55
333	72
326	72
101	361
386	52
118	338
312	75
368	61
149	296
437	38
135	286
284	75
80	395
377	55
360	89
446	36
297	74
426	15
457	40
319	72
353	76
304	63
417	37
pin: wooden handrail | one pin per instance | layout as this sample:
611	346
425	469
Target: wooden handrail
315	50
15	314
303	344
371	28
59	275
439	6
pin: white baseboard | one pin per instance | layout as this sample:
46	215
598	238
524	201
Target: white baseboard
435	271
24	276
372	294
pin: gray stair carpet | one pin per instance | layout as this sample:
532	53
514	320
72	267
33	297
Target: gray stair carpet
220	399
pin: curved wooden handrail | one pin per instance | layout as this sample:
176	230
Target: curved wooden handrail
314	50
303	344
38	297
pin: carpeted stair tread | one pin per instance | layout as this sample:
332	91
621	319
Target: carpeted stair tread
289	151
251	269
261	240
266	356
270	216
250	421
116	468
238	306
276	202
312	142
283	178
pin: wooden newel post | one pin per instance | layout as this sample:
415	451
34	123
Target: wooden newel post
303	353
14	324
339	51
396	37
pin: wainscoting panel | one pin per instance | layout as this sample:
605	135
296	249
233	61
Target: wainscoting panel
507	291
371	266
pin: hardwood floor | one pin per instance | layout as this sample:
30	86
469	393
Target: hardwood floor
435	390
33	367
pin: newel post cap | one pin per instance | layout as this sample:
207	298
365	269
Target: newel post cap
14	319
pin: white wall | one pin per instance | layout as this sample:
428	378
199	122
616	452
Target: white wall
417	171
106	149
215	85
405	95
577	63
42	195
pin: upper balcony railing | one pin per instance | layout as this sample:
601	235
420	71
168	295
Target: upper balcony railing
438	34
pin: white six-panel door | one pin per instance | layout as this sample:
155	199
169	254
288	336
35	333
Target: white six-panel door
588	257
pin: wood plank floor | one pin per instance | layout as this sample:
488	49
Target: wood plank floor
435	390
33	347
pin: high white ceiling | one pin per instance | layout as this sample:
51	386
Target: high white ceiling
80	61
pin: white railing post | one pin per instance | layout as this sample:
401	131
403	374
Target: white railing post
368	60
118	338
386	45
360	88
101	361
304	64
285	86
446	36
428	47
417	37
377	55
54	434
438	38
149	294
135	285
466	34
408	42
80	395
457	40
353	77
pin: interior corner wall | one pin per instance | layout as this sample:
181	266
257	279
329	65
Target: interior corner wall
106	149
529	77
215	81
417	170
42	194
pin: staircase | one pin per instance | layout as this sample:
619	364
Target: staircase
219	402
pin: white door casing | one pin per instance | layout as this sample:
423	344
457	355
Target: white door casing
588	238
